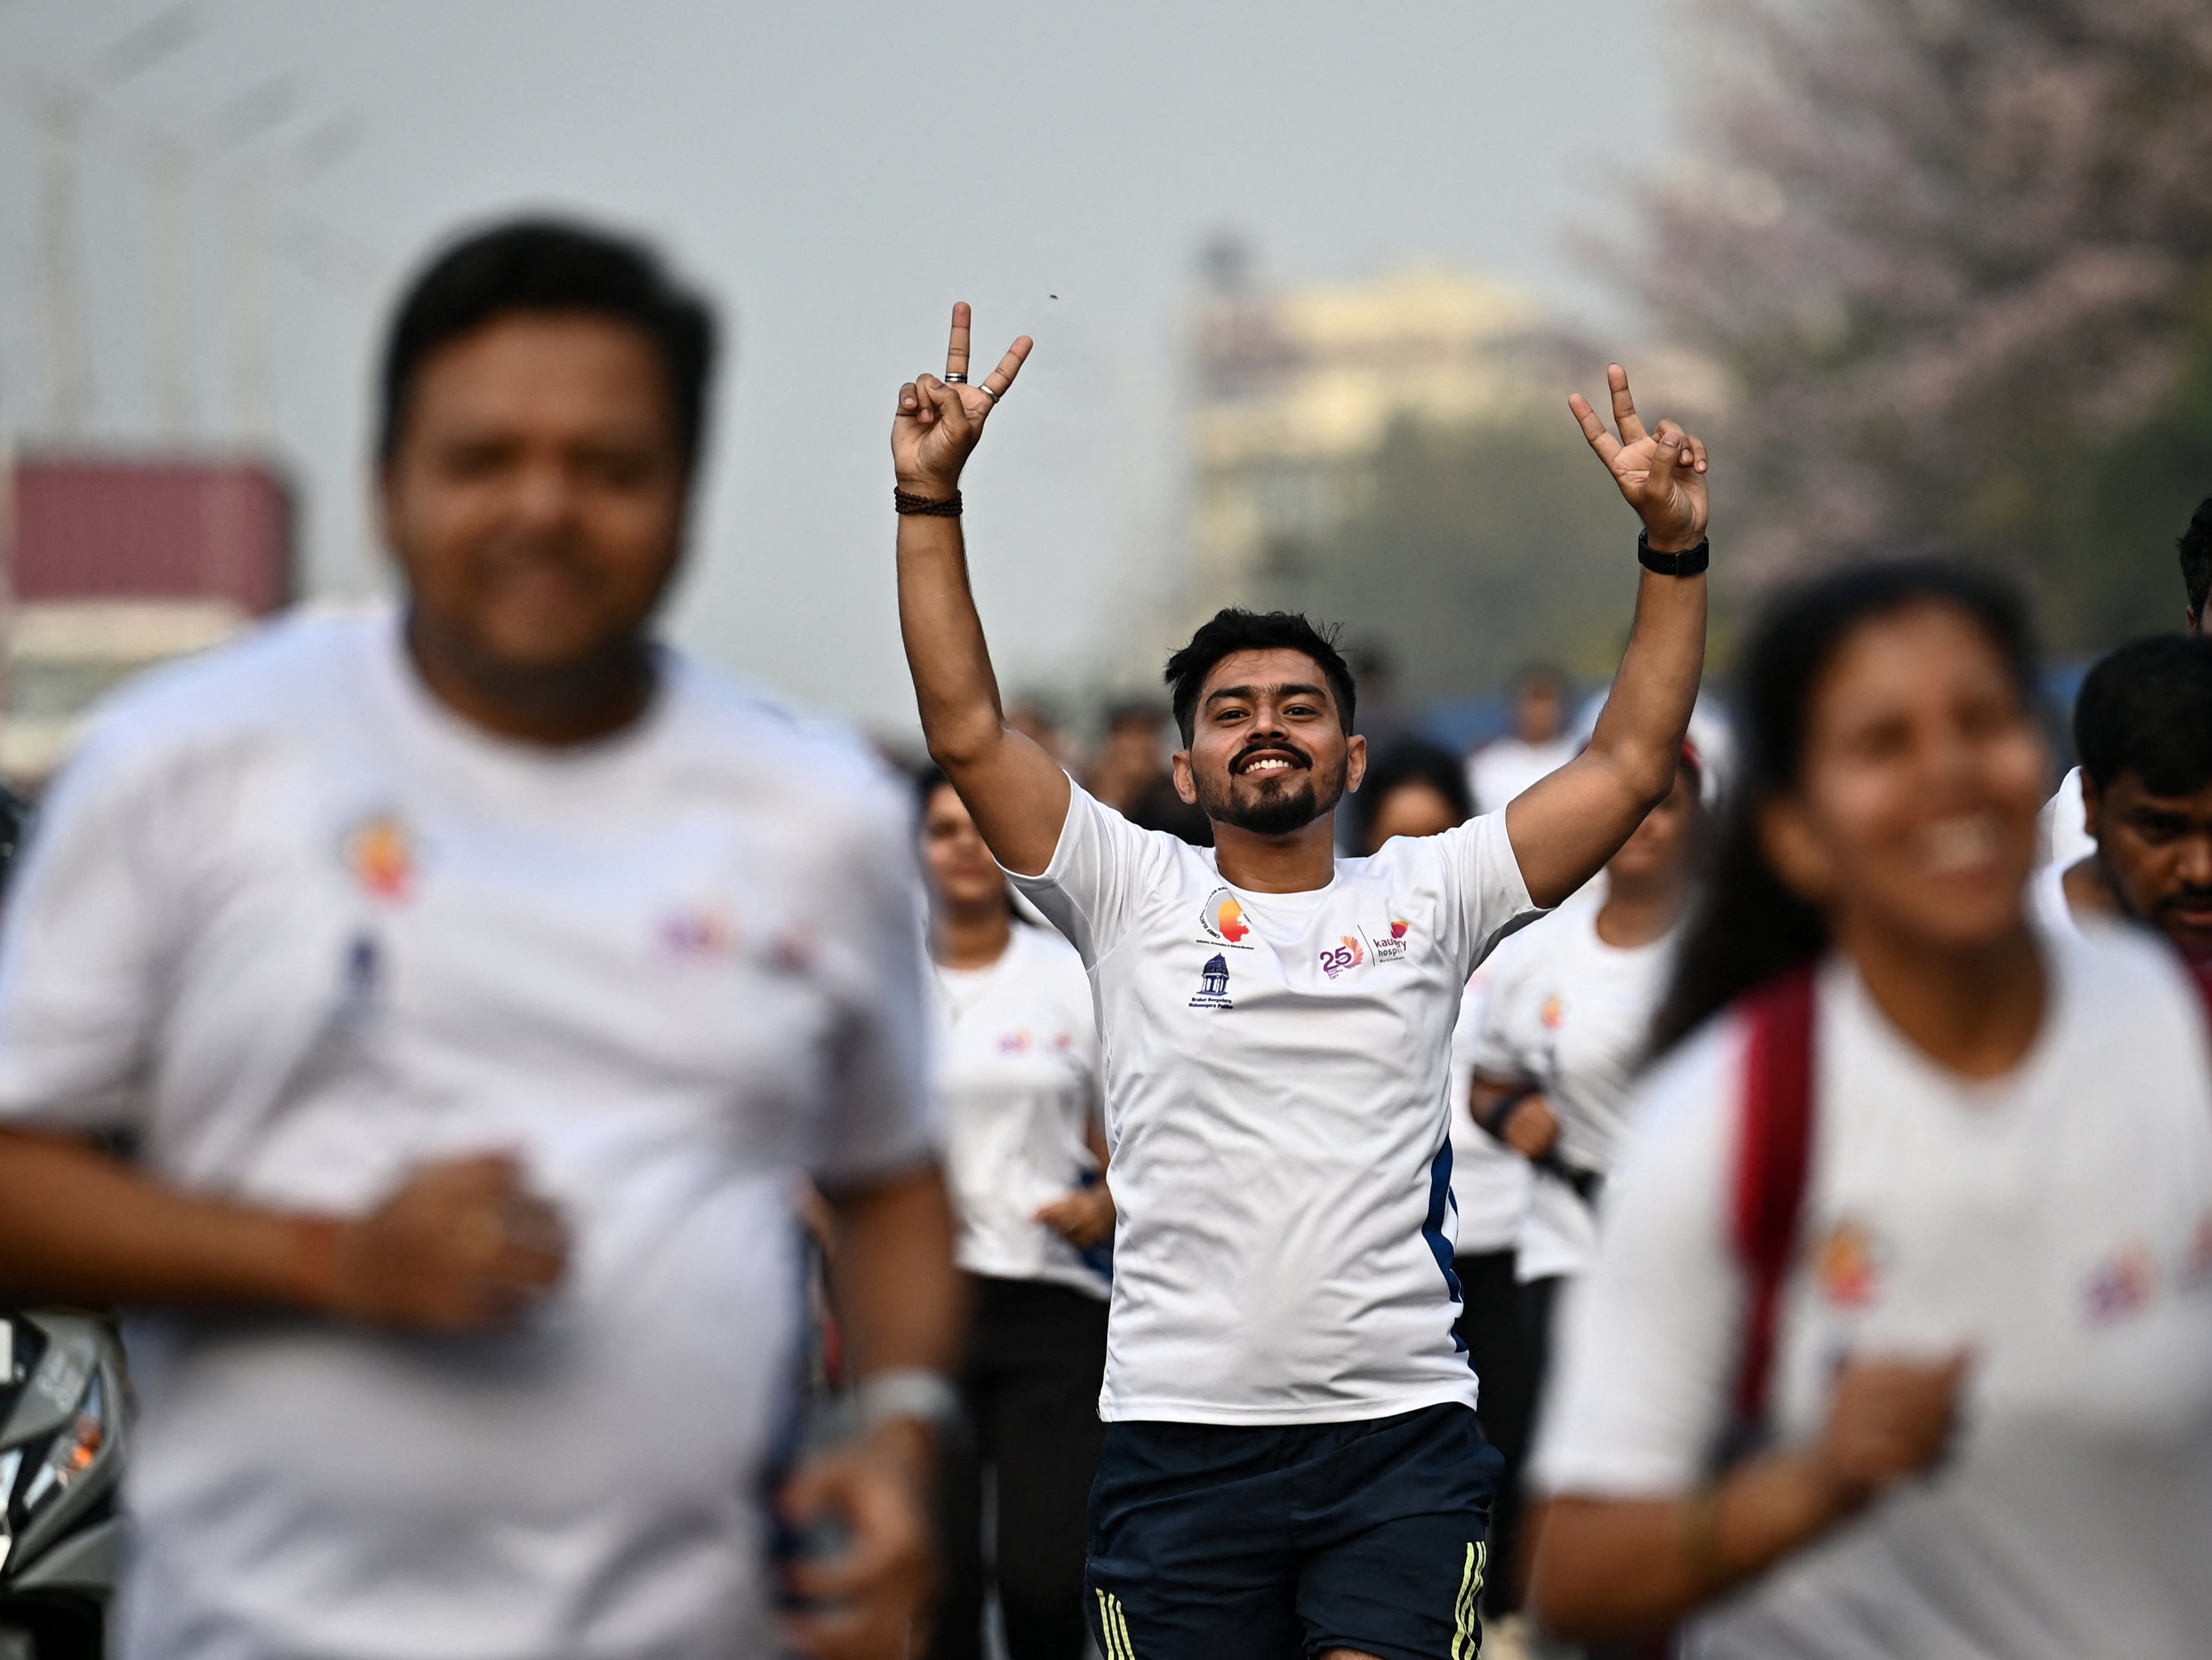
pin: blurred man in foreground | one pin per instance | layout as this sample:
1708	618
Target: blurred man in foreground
470	978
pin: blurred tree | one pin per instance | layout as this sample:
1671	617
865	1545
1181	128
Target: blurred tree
1957	255
1472	550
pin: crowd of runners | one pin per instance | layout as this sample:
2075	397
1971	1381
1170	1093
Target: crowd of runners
1735	1182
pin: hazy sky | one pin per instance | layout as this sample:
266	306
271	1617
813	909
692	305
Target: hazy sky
836	176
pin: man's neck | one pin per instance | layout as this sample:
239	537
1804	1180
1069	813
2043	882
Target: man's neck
1974	1012
575	704
971	937
1300	862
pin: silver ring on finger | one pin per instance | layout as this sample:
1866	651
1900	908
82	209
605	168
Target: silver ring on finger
953	379
987	392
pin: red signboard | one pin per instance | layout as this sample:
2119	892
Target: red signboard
93	528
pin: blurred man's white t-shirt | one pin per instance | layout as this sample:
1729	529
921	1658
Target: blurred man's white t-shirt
295	927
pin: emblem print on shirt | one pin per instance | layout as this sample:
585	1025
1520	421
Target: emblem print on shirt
1349	955
1221	919
381	855
1213	985
1392	948
1848	1264
2120	1285
697	933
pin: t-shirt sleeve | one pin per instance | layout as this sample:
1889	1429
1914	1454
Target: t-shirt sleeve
1640	1393
882	1119
1101	871
1483	888
85	948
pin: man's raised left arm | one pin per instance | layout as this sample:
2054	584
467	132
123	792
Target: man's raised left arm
1565	826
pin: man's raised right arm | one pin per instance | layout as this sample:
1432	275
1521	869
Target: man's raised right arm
1017	792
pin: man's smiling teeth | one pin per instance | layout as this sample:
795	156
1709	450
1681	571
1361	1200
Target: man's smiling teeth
1959	844
1268	763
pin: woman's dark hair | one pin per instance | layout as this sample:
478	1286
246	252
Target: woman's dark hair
1410	761
1748	926
540	265
1233	629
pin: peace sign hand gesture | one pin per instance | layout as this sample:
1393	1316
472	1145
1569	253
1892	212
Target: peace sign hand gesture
939	422
1661	473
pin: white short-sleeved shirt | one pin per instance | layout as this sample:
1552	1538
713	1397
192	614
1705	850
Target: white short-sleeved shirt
1017	1072
2065	824
2057	1220
1490	1181
1571	1015
1276	1072
299	928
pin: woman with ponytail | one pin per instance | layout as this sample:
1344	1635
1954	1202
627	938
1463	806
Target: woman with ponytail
1900	1338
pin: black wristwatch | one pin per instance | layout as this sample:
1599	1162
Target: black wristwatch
1690	562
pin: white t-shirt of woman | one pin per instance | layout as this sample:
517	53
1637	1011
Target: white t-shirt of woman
2056	1222
1571	1014
1017	1084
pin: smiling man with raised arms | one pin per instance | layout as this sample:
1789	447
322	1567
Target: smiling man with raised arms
1292	1461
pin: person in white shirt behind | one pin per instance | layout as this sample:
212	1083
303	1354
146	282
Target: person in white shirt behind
2143	726
1898	1340
1538	742
2067	841
1016	1082
471	980
1292	1461
1566	1027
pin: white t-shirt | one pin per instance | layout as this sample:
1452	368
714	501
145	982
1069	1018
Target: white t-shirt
1276	1072
2047	903
1016	1071
1490	1181
2058	1220
1571	1015
299	928
2066	838
1505	766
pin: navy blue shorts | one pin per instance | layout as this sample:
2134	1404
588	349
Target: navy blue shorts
1211	1542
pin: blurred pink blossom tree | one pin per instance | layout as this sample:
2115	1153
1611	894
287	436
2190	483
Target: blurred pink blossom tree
1956	256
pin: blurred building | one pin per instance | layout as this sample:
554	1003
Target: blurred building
114	564
1297	386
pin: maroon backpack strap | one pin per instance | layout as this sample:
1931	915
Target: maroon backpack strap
1774	1148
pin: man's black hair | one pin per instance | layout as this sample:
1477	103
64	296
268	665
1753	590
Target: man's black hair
1234	630
2195	547
2147	708
542	265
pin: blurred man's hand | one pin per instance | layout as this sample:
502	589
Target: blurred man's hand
872	1600
462	1246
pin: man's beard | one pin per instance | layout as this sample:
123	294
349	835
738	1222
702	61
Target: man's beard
1294	801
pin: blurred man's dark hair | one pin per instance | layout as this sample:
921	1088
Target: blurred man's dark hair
1234	630
1410	761
2195	547
2147	708
542	267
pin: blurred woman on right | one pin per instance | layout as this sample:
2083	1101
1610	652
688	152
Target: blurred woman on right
1900	1338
